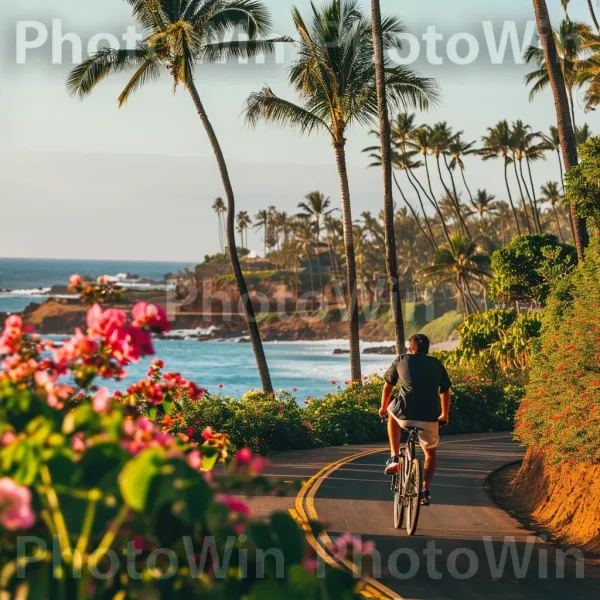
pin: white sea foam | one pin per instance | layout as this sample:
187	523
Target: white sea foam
187	334
27	292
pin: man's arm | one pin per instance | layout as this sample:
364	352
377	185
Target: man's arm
386	398
445	416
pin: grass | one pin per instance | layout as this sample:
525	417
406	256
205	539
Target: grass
442	328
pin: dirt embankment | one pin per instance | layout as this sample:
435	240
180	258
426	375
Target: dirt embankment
562	499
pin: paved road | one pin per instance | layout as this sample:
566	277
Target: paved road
463	533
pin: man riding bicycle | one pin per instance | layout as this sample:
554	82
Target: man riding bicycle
422	402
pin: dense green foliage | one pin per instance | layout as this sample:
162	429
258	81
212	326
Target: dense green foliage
499	340
560	416
525	269
583	183
266	423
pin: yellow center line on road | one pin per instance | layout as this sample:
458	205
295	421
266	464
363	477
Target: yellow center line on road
305	512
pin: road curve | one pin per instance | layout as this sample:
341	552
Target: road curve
457	551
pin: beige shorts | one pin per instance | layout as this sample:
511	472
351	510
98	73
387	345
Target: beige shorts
429	433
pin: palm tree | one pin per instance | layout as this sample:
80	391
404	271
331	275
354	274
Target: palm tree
458	148
261	221
243	223
182	35
220	208
559	82
552	195
484	204
335	76
569	41
583	134
521	141
459	265
551	143
316	208
497	144
403	162
386	161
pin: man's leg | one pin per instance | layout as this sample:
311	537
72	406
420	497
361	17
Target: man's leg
394	435
430	465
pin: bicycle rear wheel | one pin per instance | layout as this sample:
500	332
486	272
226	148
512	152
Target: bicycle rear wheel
399	496
412	496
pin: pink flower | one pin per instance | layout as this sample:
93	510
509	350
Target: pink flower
138	542
257	465
15	506
310	564
8	437
208	434
294	390
233	504
11	336
102	323
75	281
221	386
103	280
152	316
78	444
102	401
194	460
243	457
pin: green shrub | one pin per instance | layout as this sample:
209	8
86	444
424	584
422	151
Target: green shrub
268	424
498	340
583	190
348	417
560	415
526	269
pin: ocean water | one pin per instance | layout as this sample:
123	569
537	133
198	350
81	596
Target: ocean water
26	280
310	367
33	273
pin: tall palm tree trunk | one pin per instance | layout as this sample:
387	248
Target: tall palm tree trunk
432	200
529	198
352	291
427	222
529	230
566	128
319	271
450	195
593	13
462	172
456	201
391	256
510	199
535	201
414	214
257	346
558	227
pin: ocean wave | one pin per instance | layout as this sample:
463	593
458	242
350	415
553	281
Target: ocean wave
186	334
27	292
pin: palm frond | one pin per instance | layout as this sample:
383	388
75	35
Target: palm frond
85	77
148	71
266	106
225	51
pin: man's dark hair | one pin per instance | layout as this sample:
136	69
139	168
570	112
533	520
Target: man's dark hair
419	343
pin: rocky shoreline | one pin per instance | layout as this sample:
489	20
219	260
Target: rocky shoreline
60	316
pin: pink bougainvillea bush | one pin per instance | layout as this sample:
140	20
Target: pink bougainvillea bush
559	419
99	501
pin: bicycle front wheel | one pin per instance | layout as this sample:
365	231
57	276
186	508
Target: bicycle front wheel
399	496
412	496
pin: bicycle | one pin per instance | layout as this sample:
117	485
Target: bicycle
407	483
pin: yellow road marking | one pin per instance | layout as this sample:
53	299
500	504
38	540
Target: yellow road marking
373	588
321	542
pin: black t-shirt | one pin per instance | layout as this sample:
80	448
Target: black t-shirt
423	378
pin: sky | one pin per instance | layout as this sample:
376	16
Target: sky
90	180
